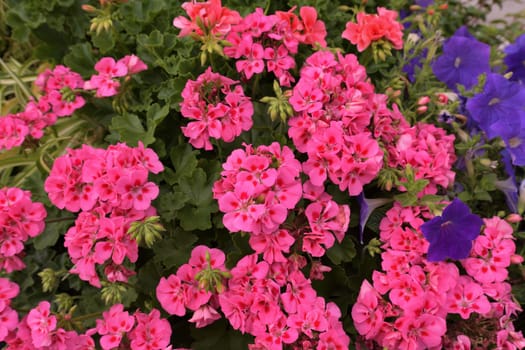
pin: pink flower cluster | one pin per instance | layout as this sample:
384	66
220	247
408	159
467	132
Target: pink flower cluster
105	82
144	331
408	304
274	302
38	330
271	41
430	153
207	17
327	221
258	187
335	103
218	106
59	99
257	190
277	304
20	218
62	88
8	316
187	288
374	27
111	189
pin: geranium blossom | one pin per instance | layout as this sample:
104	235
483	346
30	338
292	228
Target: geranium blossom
370	28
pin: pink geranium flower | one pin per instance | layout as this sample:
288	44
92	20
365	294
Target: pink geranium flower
213	18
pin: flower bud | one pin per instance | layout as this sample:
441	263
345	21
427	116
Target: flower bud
147	231
49	279
516	259
413	38
112	293
423	100
513	218
421	109
64	302
442	98
88	8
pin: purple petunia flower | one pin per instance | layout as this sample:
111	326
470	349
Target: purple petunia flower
451	234
464	58
366	207
509	187
499	108
515	58
515	142
424	3
414	64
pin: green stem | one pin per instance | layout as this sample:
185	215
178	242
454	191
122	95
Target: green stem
255	85
267	8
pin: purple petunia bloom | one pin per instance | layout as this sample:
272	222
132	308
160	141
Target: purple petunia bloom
509	187
424	3
366	207
464	58
515	58
414	64
451	234
515	142
499	108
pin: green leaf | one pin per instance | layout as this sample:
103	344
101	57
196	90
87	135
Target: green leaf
49	237
105	41
406	199
156	115
197	188
242	248
80	59
131	130
210	337
149	277
343	252
154	39
65	3
173	252
169	203
129	296
184	160
46	239
196	218
375	218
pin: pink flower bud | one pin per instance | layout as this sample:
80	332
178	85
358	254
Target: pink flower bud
513	218
423	100
442	98
421	109
516	259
